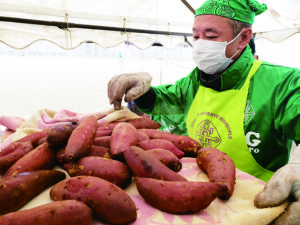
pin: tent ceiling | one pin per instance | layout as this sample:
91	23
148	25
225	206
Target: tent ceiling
68	23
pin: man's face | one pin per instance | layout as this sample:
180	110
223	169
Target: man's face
215	28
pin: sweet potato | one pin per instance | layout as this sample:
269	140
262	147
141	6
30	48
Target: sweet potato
108	126
143	123
101	133
58	135
145	165
142	136
61	157
34	137
82	138
160	143
70	212
40	158
100	151
111	170
12	152
167	158
103	141
185	143
123	136
178	196
109	203
219	167
17	190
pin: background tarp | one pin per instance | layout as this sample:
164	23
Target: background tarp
167	17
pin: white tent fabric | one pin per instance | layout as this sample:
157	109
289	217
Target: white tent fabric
168	17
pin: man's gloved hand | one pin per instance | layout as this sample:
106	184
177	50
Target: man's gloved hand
284	185
132	85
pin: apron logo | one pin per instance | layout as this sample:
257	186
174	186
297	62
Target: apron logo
207	134
249	112
253	141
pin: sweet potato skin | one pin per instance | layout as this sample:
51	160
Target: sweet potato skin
101	133
71	212
111	170
58	135
12	152
103	141
82	138
145	165
178	196
19	189
123	136
40	158
219	167
185	143
144	123
109	203
34	137
100	151
167	158
160	143
142	136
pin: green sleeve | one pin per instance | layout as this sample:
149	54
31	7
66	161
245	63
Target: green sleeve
175	99
287	104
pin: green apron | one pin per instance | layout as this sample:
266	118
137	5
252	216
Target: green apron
216	119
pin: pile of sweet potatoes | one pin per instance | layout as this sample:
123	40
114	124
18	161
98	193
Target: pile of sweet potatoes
101	160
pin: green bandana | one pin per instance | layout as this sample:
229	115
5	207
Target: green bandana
242	10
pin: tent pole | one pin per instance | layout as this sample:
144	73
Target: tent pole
189	6
64	25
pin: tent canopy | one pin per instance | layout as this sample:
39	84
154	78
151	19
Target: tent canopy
68	23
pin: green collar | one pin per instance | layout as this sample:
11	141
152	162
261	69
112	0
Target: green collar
234	77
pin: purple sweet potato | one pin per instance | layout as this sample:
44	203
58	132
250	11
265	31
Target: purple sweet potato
167	158
109	203
17	190
81	140
58	135
103	141
185	143
145	165
219	167
70	212
40	158
178	196
13	152
160	143
111	170
123	136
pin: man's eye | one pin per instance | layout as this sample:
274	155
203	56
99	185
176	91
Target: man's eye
211	37
195	38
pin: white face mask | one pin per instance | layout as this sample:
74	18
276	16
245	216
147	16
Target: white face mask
209	56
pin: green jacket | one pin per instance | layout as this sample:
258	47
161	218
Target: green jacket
272	112
173	123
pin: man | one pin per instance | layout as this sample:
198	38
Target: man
243	107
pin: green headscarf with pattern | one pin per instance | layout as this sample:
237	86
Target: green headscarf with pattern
241	10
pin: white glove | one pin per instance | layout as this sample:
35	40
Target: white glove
283	185
129	84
